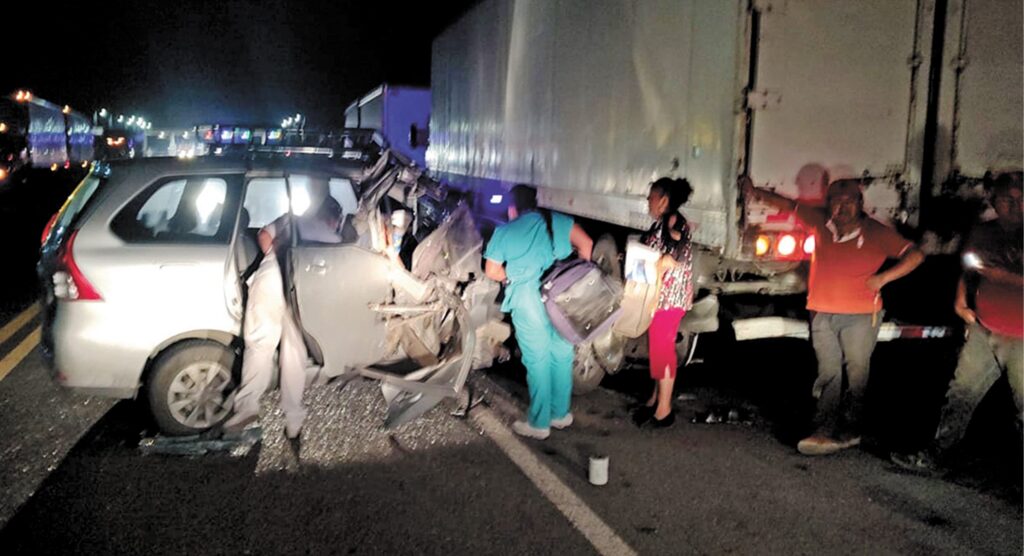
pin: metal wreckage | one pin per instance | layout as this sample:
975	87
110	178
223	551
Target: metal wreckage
420	331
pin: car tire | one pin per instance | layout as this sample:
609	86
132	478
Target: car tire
605	255
190	389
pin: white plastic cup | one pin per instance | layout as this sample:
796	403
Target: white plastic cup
598	470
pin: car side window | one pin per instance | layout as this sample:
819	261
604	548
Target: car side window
322	206
266	199
344	193
178	210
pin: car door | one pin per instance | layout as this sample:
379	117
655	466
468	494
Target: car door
336	284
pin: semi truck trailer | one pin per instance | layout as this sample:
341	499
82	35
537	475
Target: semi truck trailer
590	101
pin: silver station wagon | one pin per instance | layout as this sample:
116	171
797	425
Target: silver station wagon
144	282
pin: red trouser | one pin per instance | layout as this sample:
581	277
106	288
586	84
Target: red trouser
661	337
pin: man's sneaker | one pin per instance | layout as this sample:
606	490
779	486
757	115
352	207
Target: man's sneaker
818	445
562	423
922	462
522	428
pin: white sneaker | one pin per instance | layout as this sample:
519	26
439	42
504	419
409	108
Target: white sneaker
562	423
522	428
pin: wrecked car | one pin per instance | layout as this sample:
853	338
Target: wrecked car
144	274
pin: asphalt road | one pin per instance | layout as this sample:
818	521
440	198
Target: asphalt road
441	486
74	479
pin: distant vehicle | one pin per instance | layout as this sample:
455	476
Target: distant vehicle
591	105
120	143
41	134
144	276
400	114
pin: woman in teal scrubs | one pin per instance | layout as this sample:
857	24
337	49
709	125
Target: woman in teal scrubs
518	254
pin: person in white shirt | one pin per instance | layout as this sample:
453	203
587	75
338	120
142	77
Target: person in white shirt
269	322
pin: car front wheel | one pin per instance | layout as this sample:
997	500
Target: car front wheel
190	389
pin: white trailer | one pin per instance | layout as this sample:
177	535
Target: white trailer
591	100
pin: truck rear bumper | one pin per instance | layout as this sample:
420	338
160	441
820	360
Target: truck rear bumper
782	327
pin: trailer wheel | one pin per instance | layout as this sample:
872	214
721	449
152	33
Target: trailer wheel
606	256
190	389
587	373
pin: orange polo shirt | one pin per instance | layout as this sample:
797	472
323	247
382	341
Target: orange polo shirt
840	266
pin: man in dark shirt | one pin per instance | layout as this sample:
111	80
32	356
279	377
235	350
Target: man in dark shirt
994	271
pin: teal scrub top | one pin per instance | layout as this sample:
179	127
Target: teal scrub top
524	247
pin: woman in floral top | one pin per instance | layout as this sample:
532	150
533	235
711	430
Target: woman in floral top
670	235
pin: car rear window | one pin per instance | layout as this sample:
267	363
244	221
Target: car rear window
67	216
188	209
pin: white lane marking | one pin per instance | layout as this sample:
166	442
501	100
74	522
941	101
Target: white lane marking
20	351
600	535
17	322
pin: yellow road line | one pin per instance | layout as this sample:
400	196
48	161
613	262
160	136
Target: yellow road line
11	360
17	322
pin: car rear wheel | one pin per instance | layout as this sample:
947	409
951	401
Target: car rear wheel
190	389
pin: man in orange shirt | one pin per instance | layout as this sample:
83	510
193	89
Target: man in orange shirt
843	297
994	271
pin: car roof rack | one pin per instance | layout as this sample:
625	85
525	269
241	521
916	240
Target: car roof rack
289	150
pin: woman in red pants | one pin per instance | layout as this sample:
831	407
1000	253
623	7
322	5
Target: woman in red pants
670	235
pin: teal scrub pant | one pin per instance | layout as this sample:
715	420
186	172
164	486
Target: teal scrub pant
547	357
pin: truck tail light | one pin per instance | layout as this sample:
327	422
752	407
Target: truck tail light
69	283
761	245
809	245
789	245
786	246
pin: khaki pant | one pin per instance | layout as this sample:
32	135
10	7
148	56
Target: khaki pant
843	345
983	359
268	324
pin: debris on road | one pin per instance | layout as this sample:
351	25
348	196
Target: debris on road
201	444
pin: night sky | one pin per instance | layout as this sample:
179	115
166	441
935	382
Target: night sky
181	63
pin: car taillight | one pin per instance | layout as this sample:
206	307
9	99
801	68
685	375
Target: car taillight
809	244
49	226
68	281
786	246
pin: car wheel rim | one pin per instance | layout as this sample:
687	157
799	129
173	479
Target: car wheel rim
198	397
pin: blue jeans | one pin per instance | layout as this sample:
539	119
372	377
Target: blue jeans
983	359
843	345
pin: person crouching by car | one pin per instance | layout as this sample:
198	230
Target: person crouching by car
269	323
518	254
670	235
